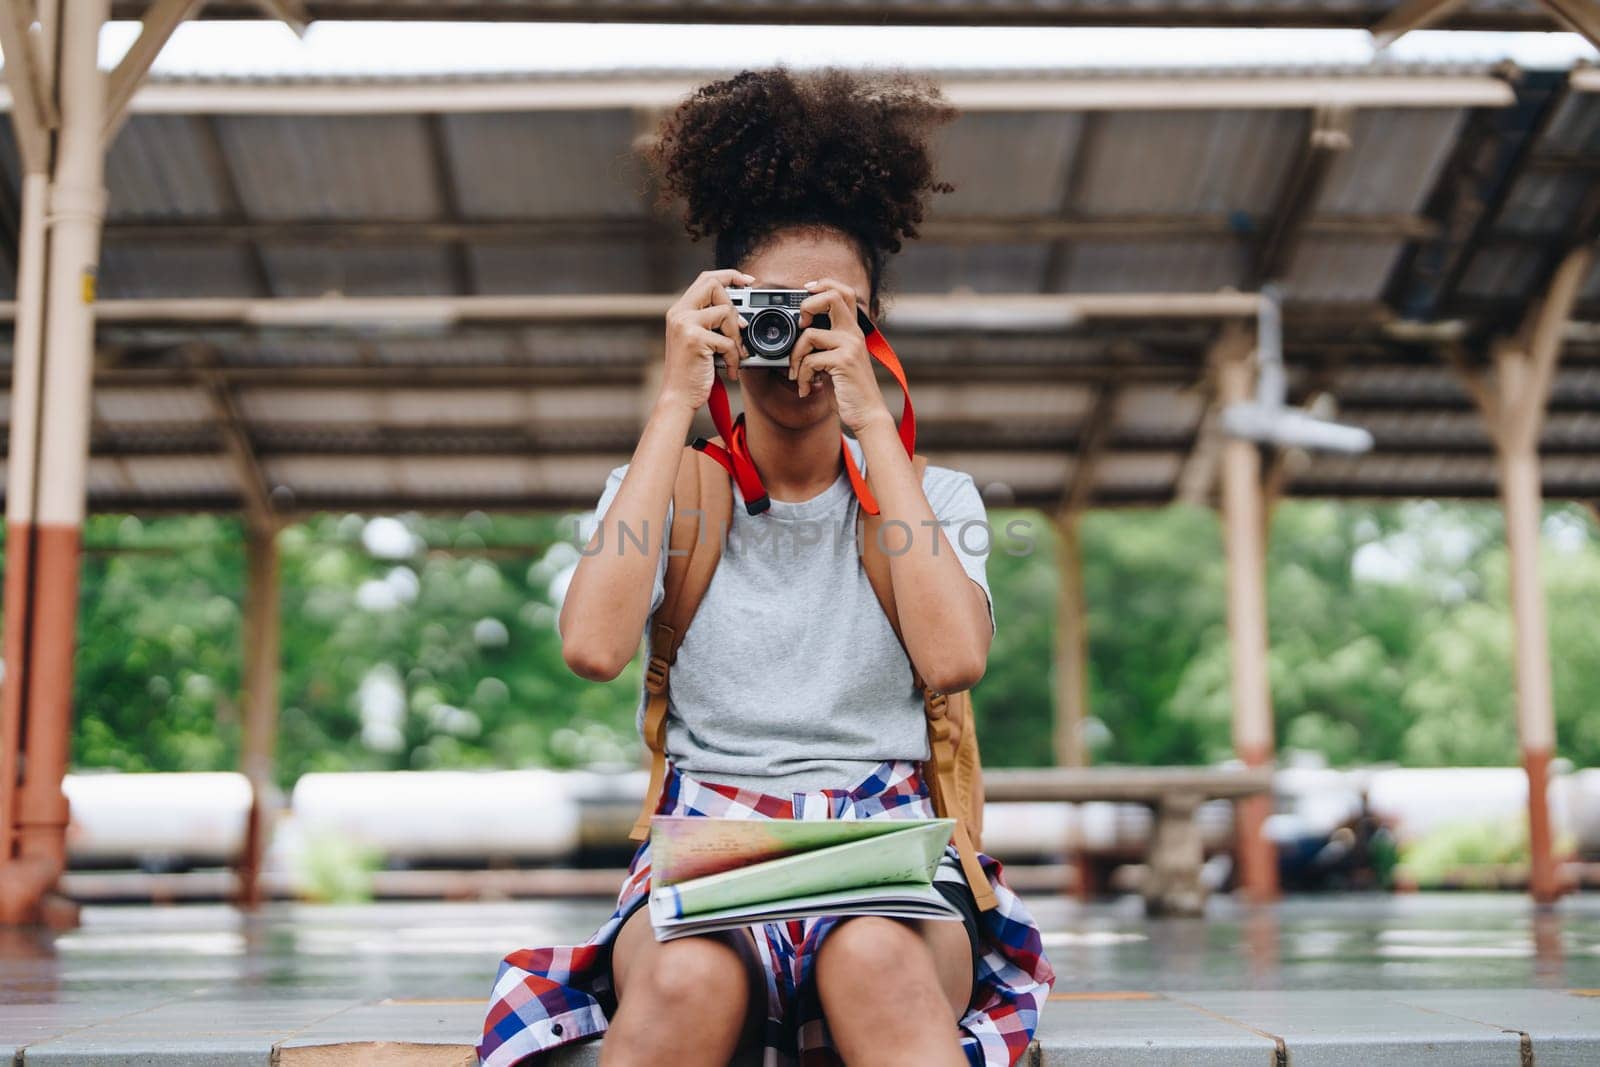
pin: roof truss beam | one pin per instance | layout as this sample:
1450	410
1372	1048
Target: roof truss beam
253	487
1096	435
1328	135
954	230
226	182
28	75
1411	15
1514	403
994	311
1580	16
853	12
1054	275
157	27
1472	196
291	13
1202	92
444	180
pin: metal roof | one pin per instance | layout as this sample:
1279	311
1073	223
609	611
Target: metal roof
1473	14
1430	211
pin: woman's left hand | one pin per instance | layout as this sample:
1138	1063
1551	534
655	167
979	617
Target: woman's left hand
840	352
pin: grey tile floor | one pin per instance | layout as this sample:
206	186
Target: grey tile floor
1419	979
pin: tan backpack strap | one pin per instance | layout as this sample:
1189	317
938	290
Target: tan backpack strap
936	706
942	785
702	505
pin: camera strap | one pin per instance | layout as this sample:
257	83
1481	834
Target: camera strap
735	458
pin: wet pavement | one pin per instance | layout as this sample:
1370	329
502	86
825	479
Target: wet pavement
206	984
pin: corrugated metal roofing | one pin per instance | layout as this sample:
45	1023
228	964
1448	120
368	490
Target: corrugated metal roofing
550	165
1189	163
1392	163
390	270
164	173
534	415
1341	270
326	167
132	272
1476	14
1006	163
928	267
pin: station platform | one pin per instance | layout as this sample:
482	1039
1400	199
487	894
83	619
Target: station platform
1373	980
1514	1027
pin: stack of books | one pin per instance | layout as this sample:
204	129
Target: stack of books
711	874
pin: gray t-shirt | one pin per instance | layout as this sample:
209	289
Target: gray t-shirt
790	677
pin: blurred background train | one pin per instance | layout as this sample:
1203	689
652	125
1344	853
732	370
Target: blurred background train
533	832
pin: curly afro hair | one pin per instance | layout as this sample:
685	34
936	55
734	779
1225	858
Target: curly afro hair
770	150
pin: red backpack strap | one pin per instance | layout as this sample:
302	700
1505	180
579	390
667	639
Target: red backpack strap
702	507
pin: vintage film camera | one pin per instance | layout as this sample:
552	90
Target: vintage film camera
769	322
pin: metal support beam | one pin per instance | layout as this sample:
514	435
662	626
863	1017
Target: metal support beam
1071	647
1499	17
444	181
261	670
291	13
29	72
27	414
1328	135
253	486
1514	408
157	27
1092	443
1199	92
1580	16
1059	258
46	503
1242	511
208	139
664	236
1411	15
1072	638
1021	311
1197	478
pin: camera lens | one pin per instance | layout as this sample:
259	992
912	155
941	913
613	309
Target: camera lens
771	333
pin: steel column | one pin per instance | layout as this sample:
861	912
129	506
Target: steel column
1244	537
46	505
261	666
1071	647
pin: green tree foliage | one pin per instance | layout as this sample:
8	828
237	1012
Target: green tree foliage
416	642
157	664
438	651
1389	625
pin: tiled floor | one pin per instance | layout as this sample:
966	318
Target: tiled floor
1422	979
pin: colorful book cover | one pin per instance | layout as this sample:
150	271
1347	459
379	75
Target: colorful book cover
710	873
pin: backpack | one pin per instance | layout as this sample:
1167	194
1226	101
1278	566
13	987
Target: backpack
954	777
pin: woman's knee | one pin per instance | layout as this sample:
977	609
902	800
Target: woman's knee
856	951
685	978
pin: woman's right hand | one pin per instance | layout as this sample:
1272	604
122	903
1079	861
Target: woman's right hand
701	324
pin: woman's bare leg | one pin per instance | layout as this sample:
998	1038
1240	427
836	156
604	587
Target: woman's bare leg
693	1000
892	990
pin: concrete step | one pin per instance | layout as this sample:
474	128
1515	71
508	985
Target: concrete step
1111	1029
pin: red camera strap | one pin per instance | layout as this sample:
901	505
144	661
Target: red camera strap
735	458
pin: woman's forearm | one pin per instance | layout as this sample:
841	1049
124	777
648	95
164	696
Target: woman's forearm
944	615
608	598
